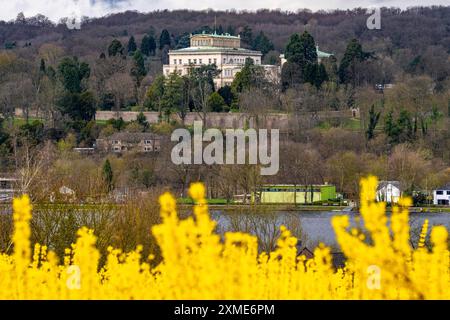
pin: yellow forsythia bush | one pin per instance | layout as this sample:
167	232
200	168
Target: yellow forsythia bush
197	264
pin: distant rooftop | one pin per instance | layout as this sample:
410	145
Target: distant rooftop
215	49
321	54
216	35
133	136
215	40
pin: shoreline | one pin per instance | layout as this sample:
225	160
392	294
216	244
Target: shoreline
250	207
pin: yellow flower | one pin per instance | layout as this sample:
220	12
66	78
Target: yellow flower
197	191
198	264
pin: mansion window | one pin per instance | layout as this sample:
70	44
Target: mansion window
209	60
440	192
195	61
189	61
147	141
215	61
147	149
174	61
199	61
228	73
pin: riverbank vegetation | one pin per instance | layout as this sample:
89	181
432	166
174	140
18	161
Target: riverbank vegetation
197	264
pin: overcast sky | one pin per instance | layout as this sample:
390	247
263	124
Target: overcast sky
56	9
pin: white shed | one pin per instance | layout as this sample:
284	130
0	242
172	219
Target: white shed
389	191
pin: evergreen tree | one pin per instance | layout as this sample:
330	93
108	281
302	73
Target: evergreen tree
173	98
373	121
301	54
183	41
131	47
320	75
115	48
148	45
164	39
301	50
142	120
405	126
352	56
250	75
108	175
262	43
227	95
215	102
138	71
72	72
247	35
390	128
155	93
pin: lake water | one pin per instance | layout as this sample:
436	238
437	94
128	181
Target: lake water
316	226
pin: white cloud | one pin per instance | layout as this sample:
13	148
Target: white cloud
56	9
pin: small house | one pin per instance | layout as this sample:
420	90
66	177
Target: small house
7	188
389	191
441	196
121	142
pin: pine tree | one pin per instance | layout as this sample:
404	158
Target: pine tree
138	69
390	128
164	39
301	53
108	175
353	55
247	35
262	43
373	121
131	48
115	48
148	45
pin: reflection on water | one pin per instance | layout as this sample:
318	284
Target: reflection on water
317	227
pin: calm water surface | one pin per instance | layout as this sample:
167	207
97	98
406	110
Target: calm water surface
316	225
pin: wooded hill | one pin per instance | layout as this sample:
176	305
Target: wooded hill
414	29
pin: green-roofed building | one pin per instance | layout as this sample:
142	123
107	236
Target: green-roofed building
223	50
295	194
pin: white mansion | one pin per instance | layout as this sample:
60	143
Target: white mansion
222	50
